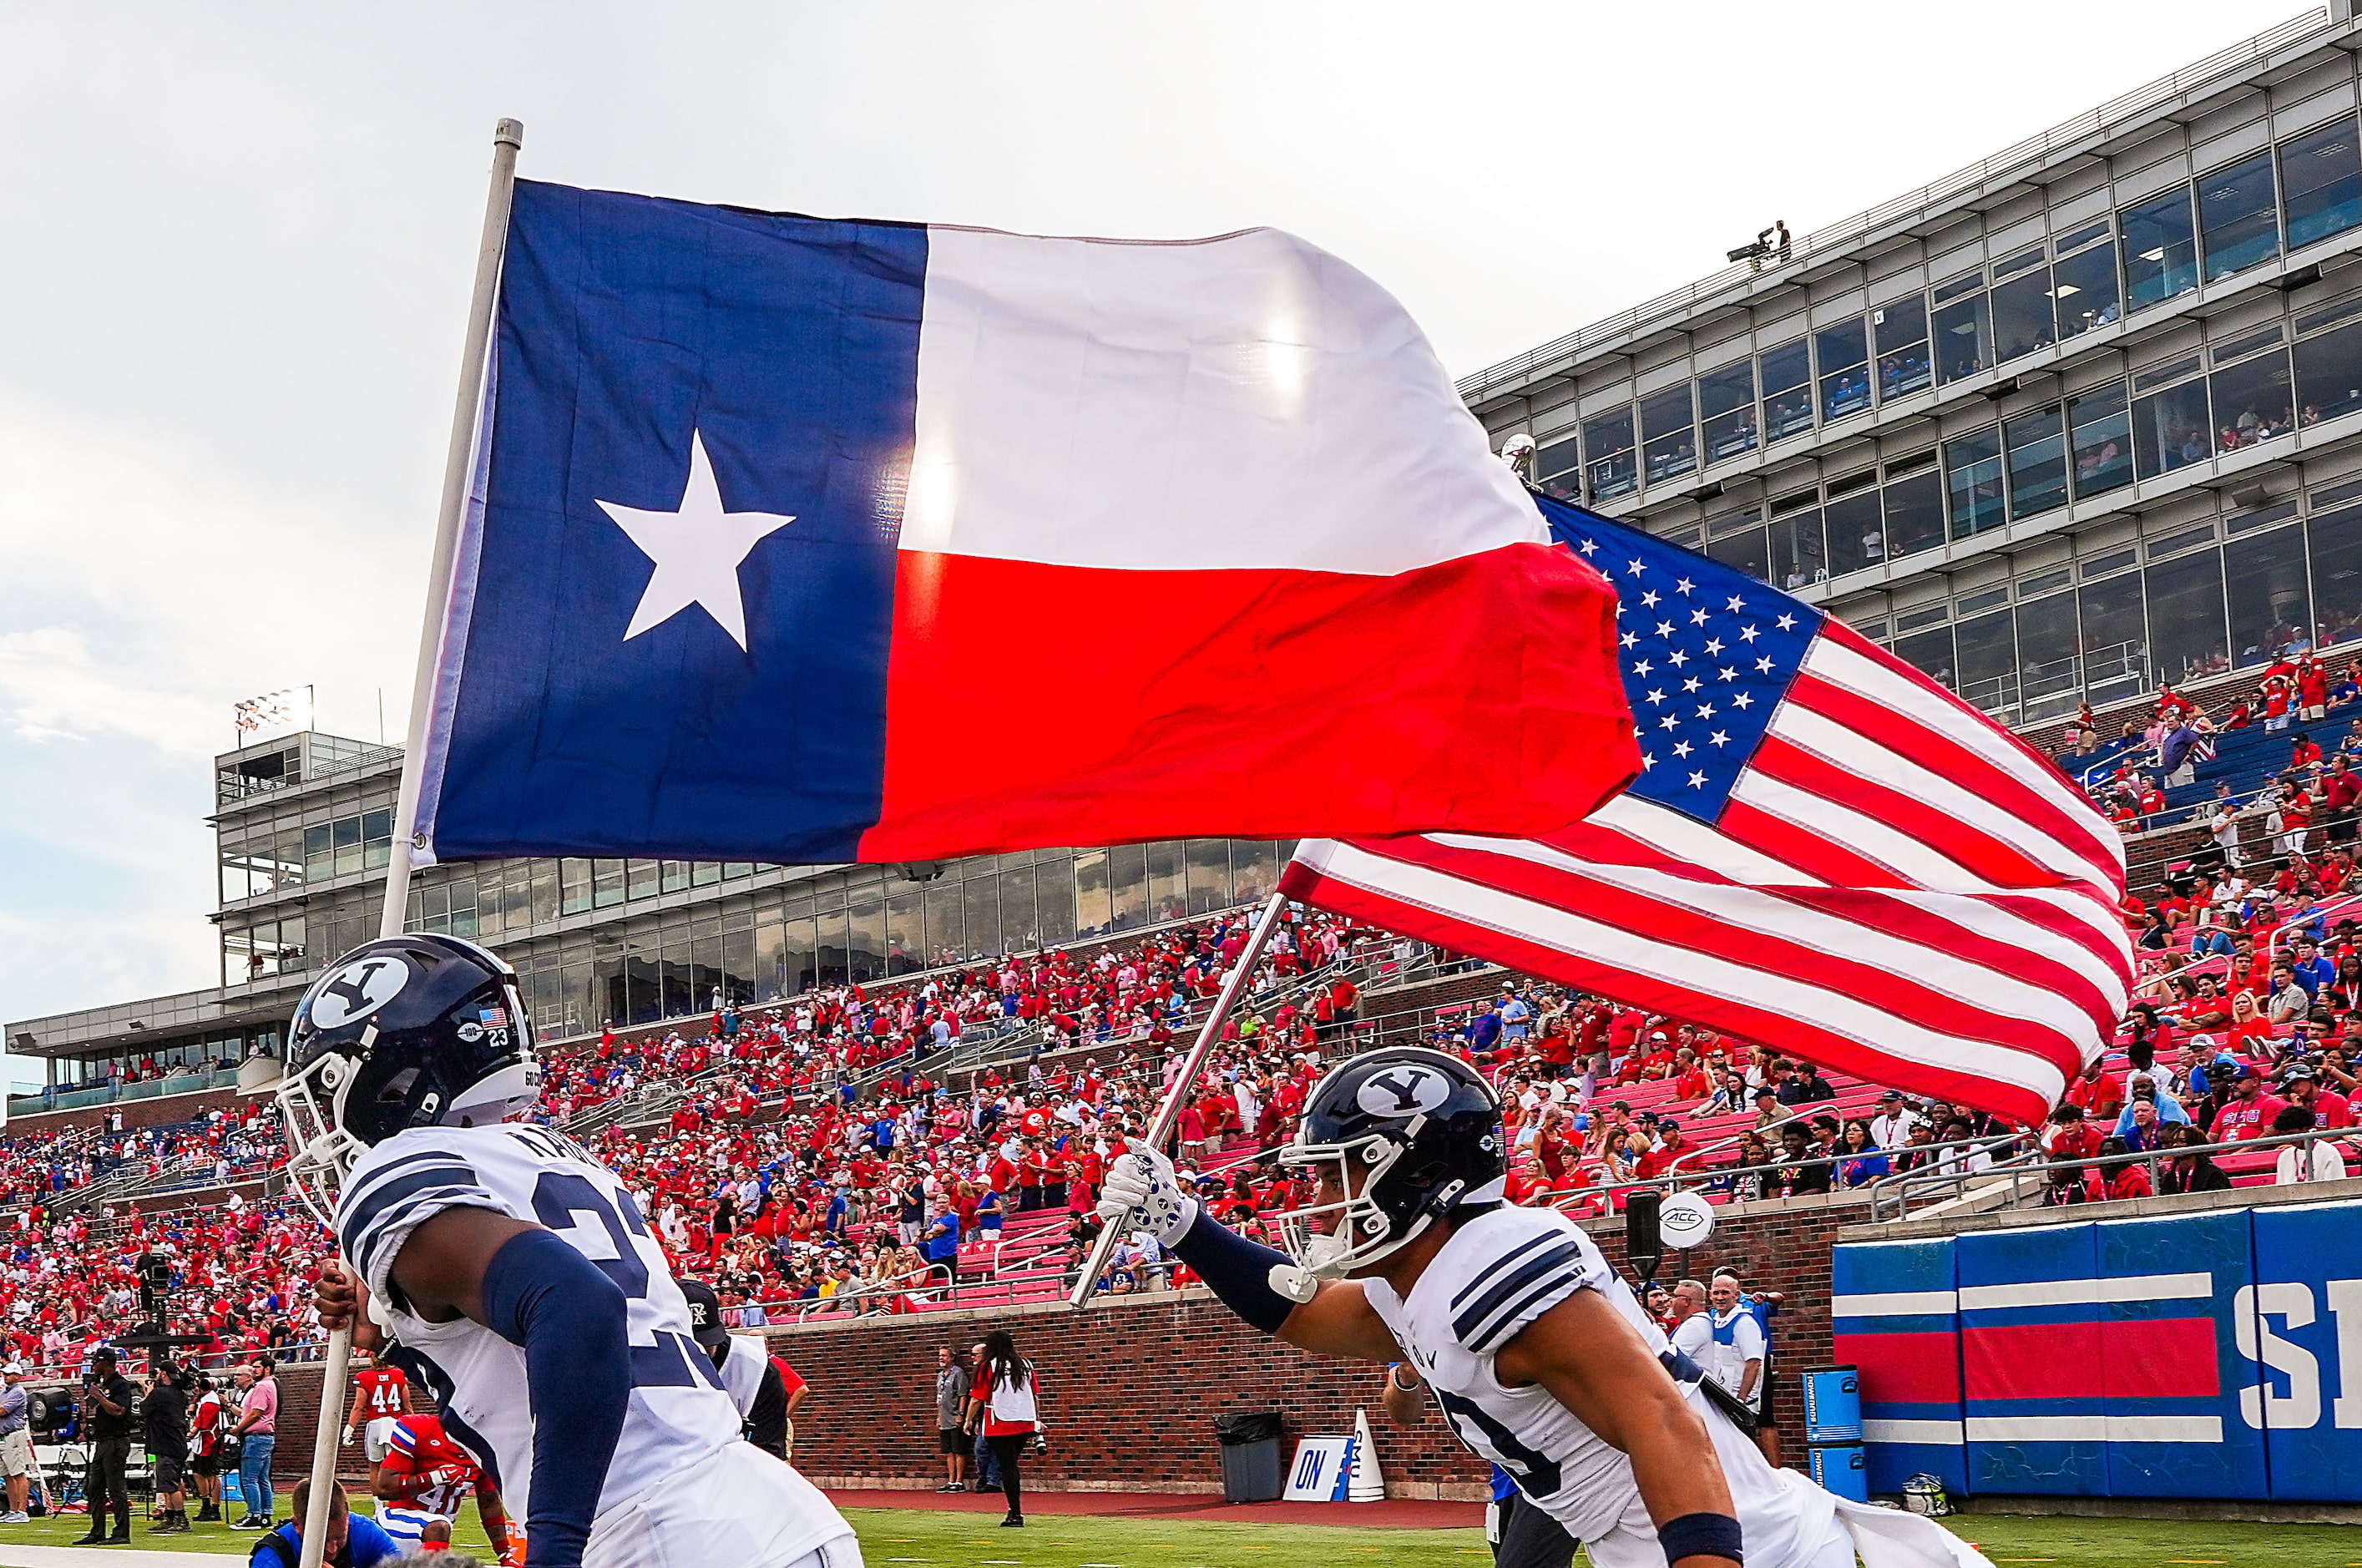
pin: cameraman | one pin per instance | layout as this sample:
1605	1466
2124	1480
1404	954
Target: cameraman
166	1411
107	1397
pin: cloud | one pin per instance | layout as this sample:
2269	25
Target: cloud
146	601
53	688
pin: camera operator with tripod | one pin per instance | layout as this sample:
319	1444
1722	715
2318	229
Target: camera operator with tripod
107	1397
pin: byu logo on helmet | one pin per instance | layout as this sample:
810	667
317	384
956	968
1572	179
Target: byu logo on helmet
1403	1091
358	990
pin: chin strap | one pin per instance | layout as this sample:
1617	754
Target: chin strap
1298	1285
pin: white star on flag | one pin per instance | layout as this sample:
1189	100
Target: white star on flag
697	548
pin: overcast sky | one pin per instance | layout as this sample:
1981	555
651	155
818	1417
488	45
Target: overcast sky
235	245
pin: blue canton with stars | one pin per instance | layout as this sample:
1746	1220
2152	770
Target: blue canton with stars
1706	654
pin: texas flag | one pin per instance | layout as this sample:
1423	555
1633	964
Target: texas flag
805	540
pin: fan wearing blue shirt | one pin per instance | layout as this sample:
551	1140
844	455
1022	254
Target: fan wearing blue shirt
2312	971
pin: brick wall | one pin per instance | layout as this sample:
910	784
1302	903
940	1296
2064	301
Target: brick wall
1131	1387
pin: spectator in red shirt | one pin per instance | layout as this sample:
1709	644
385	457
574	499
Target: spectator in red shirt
2328	1107
2068	1136
1003	1405
2098	1091
2250	1112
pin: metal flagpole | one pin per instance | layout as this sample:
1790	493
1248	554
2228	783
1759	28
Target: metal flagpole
508	136
1169	1113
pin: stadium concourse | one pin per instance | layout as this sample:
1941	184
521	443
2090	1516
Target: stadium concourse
935	1141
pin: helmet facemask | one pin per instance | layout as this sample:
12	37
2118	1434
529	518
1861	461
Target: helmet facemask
320	1153
1333	1239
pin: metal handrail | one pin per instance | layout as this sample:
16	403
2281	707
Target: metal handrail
2014	1171
806	1308
2008	689
2157	981
1697	1178
1848	232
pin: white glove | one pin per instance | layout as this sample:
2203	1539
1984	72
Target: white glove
1140	1193
349	1437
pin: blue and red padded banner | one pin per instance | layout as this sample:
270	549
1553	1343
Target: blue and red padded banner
2192	1355
1895	1319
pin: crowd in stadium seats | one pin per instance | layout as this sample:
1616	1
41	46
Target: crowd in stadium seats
866	1149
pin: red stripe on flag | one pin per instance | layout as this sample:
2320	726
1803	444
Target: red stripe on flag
1242	704
2065	925
1947	758
1682	929
1839	632
1781	1032
1910	923
1978	853
1809	852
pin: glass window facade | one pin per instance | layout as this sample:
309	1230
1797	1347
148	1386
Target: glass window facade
1608	438
1963	335
2036	447
2321	182
1727	410
1787	373
2090	275
1669	433
1899	329
2253	402
2022	318
2193	612
2238	216
2160	247
1972	482
1841	355
2329	373
2084	290
2100	429
2171	429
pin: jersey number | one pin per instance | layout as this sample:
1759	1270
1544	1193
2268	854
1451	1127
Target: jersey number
1537	1476
674	1361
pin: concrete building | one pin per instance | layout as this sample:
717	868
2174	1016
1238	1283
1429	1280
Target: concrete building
2078	420
304	828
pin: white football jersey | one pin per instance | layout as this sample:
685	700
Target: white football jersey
1722	1346
742	1370
1498	1273
679	1419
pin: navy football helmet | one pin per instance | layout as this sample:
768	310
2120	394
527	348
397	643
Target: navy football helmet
1406	1135
413	1031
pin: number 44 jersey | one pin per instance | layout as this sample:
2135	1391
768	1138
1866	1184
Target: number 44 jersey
678	1419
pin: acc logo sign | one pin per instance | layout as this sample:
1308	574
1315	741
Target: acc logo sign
1403	1091
1684	1221
356	990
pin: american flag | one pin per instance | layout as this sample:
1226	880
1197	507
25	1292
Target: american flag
1825	852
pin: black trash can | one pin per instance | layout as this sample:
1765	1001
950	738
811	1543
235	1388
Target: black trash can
1252	1470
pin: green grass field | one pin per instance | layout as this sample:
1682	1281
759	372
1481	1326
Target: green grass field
912	1539
900	1538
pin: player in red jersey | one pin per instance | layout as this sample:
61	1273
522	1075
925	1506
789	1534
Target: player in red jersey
421	1476
381	1393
